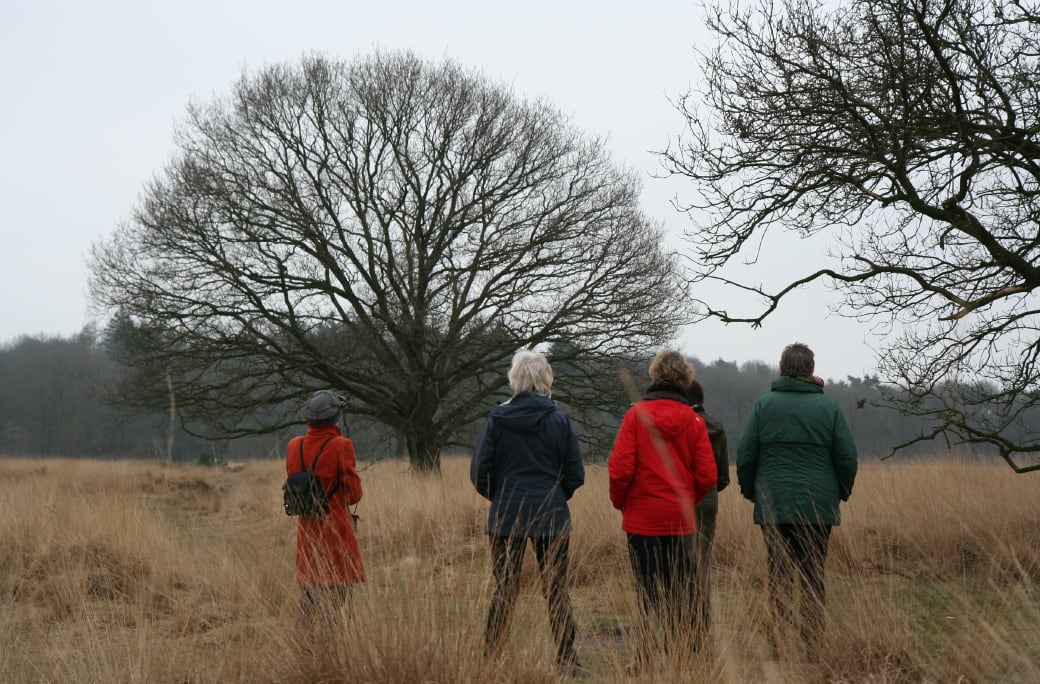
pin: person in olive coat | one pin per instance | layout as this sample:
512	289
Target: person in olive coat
797	462
528	463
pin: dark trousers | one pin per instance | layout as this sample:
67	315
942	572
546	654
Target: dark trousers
507	557
707	512
664	570
322	604
797	549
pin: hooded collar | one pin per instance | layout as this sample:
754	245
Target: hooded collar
655	392
523	412
788	384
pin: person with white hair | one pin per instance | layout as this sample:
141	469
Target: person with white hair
528	464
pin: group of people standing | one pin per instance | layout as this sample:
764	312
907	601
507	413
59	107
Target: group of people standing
796	461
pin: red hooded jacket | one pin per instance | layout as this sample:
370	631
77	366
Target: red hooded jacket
661	465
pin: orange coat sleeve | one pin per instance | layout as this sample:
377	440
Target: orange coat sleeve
622	463
349	480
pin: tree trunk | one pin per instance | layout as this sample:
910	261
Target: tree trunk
424	455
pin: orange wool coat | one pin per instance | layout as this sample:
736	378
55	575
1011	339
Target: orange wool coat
327	551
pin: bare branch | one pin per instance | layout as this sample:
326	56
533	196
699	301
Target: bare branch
907	132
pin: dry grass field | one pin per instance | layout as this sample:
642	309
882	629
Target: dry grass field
139	572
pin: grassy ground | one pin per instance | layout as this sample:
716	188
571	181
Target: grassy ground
137	572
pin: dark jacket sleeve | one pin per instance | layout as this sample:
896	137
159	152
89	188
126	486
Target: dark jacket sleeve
573	471
843	456
482	464
747	457
720	446
350	481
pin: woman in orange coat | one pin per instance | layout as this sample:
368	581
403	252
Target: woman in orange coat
328	559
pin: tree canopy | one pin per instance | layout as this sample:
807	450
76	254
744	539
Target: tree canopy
389	227
908	132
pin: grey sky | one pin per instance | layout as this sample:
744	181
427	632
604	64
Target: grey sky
92	92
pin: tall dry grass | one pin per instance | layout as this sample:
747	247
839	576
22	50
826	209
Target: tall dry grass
140	572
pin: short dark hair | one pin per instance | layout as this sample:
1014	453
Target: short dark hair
695	393
797	361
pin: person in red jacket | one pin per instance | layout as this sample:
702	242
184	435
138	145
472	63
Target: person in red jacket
661	465
328	559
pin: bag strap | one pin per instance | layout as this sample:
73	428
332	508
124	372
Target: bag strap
314	464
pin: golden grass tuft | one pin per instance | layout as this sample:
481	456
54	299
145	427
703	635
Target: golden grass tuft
140	572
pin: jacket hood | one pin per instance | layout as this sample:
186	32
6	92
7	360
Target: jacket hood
788	384
665	392
671	416
523	412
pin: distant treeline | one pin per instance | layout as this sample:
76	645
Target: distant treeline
53	389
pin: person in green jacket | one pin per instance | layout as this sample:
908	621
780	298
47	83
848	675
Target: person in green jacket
796	461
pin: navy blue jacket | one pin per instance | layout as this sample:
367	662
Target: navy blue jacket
528	463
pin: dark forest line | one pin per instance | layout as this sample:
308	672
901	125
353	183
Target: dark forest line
53	404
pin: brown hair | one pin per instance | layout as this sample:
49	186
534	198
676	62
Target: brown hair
695	393
671	369
797	361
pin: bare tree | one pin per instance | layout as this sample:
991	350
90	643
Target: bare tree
389	227
909	132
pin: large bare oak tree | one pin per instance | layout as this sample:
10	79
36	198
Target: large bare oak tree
390	227
909	132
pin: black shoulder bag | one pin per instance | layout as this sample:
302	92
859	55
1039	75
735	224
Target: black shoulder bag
303	493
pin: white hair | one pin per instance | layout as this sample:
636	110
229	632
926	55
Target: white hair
531	372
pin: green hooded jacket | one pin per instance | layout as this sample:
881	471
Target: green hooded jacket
796	459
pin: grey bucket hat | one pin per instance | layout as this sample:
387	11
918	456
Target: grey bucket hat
323	405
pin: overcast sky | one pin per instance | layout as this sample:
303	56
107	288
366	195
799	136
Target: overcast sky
92	92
